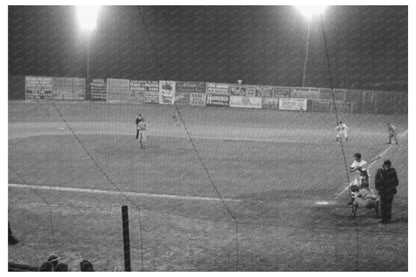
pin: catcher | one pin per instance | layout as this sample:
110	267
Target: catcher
363	197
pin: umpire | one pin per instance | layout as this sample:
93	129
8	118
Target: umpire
386	182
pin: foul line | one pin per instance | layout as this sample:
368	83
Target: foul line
142	194
375	159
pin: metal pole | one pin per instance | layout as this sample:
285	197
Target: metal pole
306	54
87	79
126	237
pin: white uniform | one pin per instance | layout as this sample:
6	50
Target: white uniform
342	129
392	133
362	171
142	127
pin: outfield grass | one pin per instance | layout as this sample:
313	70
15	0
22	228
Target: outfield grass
271	166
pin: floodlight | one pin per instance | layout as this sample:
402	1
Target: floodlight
310	11
87	17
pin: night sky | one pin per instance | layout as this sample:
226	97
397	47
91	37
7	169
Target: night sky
263	45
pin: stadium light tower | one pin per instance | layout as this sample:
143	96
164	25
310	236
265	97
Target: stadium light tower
309	12
87	20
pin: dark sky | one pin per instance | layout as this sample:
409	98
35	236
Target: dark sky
368	45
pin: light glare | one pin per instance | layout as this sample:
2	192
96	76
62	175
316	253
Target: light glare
87	17
310	11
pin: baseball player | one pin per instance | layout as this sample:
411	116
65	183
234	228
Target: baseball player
359	168
138	120
142	127
363	197
342	129
392	133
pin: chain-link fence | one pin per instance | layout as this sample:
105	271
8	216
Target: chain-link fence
216	188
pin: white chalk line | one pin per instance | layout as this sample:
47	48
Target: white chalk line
130	193
375	159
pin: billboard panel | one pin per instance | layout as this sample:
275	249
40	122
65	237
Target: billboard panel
68	88
325	93
281	92
118	90
307	93
136	92
98	89
150	90
245	102
38	87
167	92
264	91
217	89
217	99
251	91
198	99
238	90
270	103
184	89
293	104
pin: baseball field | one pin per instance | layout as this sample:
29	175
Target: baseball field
237	190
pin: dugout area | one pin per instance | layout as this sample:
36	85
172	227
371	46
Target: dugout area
270	168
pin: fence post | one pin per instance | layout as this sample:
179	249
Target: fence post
126	237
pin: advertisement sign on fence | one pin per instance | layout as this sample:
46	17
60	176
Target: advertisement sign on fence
150	90
217	99
251	91
184	90
270	103
238	90
307	93
292	104
137	92
38	87
281	92
118	90
326	93
218	89
98	90
245	102
68	88
264	91
198	98
167	92
243	90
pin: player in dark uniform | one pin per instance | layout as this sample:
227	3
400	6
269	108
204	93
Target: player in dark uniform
138	120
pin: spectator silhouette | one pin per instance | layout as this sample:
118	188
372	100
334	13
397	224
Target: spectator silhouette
46	266
61	267
86	266
12	239
53	259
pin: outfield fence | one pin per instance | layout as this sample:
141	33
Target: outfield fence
201	94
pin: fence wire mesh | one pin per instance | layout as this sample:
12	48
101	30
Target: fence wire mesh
216	189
